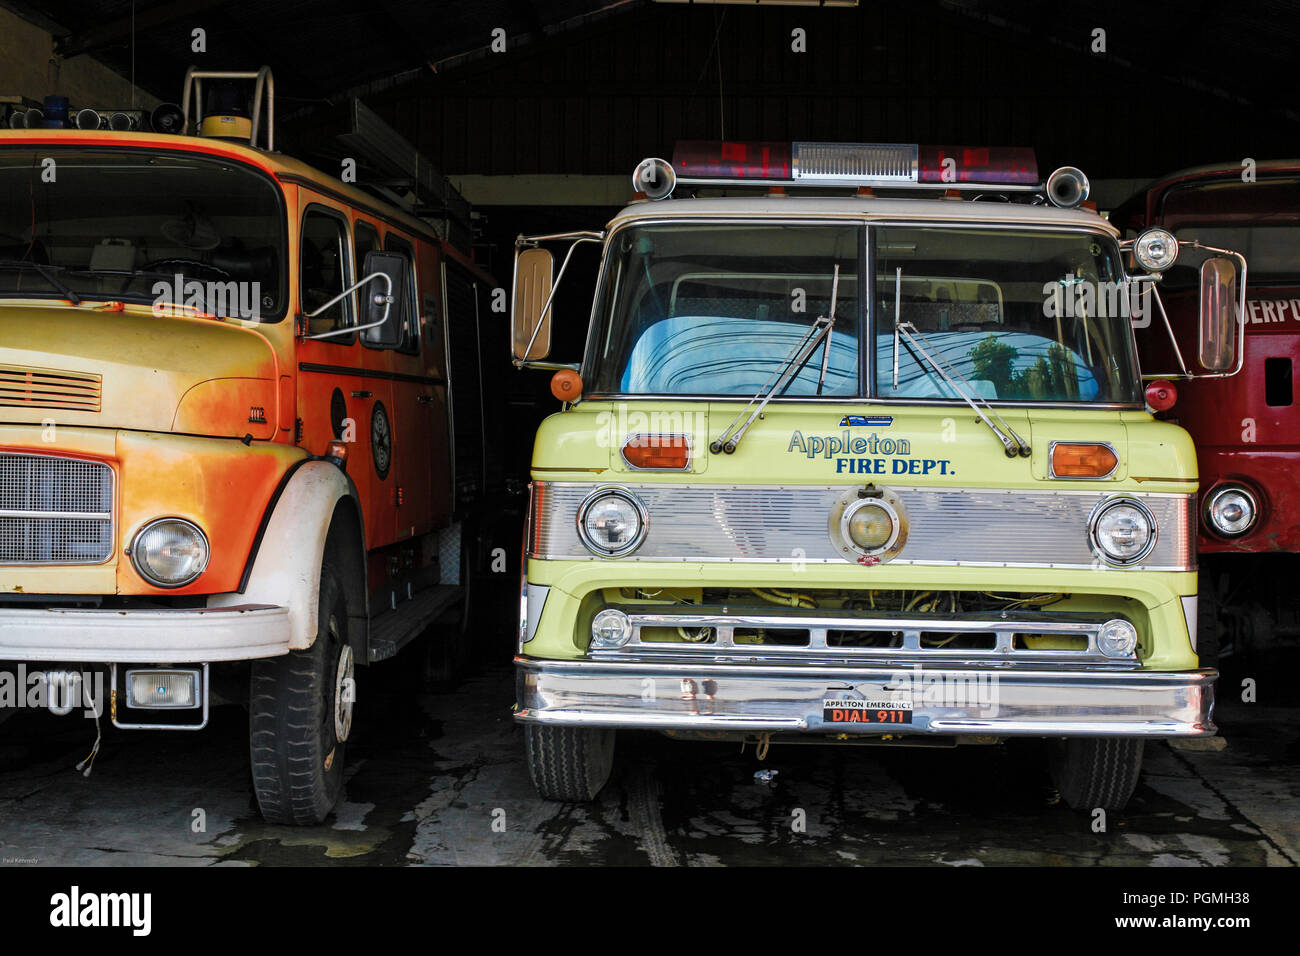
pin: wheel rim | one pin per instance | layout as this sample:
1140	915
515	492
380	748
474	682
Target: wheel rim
344	694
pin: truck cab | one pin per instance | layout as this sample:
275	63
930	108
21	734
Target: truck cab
1245	424
867	468
229	460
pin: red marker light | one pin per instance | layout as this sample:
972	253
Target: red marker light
1161	395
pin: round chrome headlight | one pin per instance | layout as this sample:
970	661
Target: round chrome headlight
1123	530
612	522
1156	250
1231	511
170	552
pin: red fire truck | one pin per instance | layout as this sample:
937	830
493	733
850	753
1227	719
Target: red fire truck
1246	425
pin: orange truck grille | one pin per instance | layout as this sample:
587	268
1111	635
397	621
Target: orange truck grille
55	510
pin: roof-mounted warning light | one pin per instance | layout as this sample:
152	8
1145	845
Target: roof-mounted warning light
862	166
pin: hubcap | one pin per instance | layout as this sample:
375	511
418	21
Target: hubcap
345	694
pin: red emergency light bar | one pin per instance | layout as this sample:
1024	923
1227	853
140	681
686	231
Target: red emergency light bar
700	162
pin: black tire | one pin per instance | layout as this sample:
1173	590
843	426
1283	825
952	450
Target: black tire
1097	772
569	764
296	752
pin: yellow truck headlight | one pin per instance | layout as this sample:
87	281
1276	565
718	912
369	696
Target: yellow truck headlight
612	522
1123	530
170	552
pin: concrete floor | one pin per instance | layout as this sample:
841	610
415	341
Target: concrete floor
439	778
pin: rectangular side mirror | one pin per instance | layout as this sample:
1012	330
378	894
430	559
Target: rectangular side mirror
395	266
532	289
1218	320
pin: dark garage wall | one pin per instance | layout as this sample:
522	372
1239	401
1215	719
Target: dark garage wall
1171	91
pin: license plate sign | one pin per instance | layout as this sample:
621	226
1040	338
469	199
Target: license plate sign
849	710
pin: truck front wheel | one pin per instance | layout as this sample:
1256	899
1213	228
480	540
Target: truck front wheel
300	716
1097	772
569	764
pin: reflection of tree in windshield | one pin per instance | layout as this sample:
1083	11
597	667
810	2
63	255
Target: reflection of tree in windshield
1051	376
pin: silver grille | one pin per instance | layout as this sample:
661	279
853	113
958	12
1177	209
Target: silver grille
55	510
947	526
833	162
814	635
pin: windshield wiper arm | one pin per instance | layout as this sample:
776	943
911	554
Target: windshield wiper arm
48	273
794	362
1012	443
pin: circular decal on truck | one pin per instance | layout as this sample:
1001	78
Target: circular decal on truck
381	440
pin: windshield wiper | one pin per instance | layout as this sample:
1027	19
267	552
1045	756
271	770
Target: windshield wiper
1012	443
918	344
794	362
48	273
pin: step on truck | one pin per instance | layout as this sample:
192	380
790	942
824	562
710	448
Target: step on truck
1245	420
865	458
240	429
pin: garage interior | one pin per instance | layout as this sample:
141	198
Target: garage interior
505	117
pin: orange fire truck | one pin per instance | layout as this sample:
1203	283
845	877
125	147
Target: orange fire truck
241	425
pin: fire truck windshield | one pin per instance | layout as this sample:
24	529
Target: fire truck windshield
714	309
170	229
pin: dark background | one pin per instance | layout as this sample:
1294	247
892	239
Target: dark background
592	87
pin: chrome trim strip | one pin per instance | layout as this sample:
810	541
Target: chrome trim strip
951	700
1003	626
958	527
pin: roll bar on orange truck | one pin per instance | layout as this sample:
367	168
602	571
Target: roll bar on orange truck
239	409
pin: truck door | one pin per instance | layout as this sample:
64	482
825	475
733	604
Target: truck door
415	406
343	386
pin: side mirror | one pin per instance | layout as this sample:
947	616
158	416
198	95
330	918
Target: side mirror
1218	322
530	331
385	333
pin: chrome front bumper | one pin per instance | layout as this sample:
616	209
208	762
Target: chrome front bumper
154	636
948	700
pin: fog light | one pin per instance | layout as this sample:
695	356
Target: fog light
162	689
1117	638
610	628
1231	511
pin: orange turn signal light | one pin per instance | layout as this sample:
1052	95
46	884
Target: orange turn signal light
566	385
337	452
1082	460
658	451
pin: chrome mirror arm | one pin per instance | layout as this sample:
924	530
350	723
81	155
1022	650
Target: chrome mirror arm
386	296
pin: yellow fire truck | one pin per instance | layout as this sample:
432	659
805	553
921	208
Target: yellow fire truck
867	467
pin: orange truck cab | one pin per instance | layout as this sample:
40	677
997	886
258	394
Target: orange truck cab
240	409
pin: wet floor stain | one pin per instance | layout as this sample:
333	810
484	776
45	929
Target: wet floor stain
436	777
